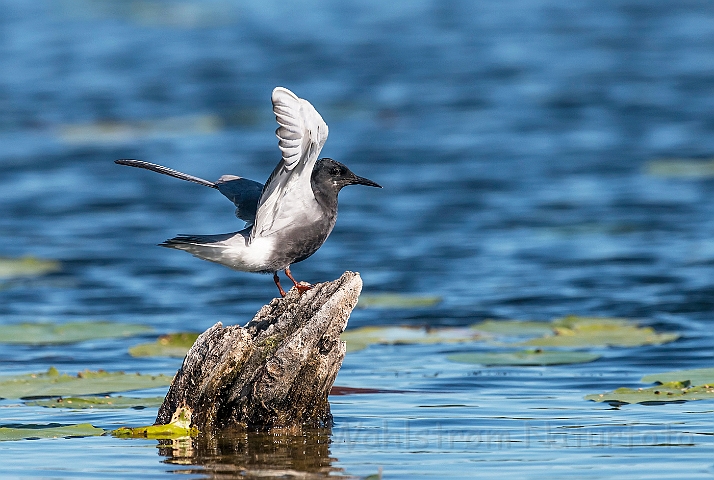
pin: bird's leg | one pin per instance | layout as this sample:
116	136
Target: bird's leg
301	288
276	279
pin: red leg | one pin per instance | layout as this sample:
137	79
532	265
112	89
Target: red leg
276	279
301	288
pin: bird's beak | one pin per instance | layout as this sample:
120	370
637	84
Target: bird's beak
364	181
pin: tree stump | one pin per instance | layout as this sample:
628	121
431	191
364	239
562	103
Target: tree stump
276	372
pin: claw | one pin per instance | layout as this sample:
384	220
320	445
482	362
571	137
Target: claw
300	286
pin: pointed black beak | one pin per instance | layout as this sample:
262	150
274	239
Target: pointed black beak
364	181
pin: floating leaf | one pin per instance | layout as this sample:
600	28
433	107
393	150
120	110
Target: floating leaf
523	328
171	345
180	426
104	402
571	331
677	386
605	332
396	300
160	14
54	384
73	332
513	327
52	430
26	267
681	168
360	338
698	376
120	132
523	357
575	321
667	392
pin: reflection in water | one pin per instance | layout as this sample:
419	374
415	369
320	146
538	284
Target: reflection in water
256	454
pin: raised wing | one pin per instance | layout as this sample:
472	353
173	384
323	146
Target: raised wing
301	134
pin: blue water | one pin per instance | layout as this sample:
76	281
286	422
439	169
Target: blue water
513	140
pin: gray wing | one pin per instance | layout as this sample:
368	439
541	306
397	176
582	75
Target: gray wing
301	134
242	192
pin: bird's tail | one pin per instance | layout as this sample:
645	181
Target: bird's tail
207	247
208	241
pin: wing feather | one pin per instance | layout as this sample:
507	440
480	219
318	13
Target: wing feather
301	134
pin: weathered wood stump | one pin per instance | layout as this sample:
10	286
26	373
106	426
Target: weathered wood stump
276	371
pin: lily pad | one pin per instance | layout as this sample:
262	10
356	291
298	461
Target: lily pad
396	300
26	267
698	376
607	332
574	321
681	168
514	327
523	357
360	338
54	384
52	430
179	427
120	132
105	402
170	345
73	332
667	392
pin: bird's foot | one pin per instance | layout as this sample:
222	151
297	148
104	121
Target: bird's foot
276	279
301	286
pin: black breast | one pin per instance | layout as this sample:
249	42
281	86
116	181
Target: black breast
300	243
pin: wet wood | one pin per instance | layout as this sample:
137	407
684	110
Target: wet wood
276	372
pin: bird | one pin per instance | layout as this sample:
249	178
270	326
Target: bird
287	219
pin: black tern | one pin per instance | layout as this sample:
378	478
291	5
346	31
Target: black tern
287	219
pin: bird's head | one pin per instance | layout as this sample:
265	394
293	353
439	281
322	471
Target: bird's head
330	175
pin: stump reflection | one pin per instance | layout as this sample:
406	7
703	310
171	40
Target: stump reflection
255	454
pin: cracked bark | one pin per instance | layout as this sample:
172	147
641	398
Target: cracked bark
276	372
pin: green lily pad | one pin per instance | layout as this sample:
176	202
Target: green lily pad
523	357
396	300
52	430
26	267
681	168
578	333
112	132
360	338
575	321
179	427
54	384
698	376
171	345
513	327
105	402
667	392
73	332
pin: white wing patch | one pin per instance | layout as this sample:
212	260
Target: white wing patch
301	134
300	126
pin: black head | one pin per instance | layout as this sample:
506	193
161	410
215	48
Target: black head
330	176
